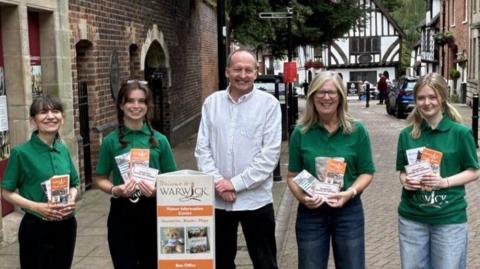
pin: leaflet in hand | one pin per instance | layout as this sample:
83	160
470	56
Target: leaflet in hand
312	186
414	155
434	157
321	164
57	188
417	170
145	173
123	164
135	165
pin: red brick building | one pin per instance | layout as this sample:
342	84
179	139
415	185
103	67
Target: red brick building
171	44
454	53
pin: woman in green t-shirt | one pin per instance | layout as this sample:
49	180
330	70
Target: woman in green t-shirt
327	131
48	229
432	223
132	230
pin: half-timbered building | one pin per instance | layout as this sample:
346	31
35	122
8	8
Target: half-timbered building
365	51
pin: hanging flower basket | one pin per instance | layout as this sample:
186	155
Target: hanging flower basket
454	74
442	38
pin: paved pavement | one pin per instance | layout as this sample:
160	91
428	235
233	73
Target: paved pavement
380	203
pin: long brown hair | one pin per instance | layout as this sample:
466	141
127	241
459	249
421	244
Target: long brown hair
123	94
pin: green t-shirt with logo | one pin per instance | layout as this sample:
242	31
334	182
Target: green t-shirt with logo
161	156
34	162
318	142
445	206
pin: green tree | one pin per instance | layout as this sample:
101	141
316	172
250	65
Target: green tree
314	22
408	15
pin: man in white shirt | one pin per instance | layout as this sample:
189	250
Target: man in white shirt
239	142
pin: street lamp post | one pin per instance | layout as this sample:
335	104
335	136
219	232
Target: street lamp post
284	15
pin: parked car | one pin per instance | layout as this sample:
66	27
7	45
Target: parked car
400	97
268	83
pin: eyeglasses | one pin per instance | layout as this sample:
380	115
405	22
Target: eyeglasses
141	82
321	94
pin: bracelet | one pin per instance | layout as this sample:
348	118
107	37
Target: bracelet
112	193
354	192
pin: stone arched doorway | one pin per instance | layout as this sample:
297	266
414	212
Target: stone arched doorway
156	73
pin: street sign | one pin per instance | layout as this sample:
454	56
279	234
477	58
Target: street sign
275	15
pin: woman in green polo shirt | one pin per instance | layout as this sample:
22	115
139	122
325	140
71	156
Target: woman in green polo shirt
48	230
432	224
326	131
132	230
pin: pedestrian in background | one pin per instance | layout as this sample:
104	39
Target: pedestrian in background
326	129
132	230
238	143
382	87
48	230
432	224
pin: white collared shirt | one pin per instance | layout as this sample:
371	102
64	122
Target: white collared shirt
241	141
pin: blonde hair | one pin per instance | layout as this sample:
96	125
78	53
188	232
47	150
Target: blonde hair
310	117
436	82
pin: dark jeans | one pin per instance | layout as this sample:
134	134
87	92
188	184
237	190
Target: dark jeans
132	233
259	230
46	244
344	226
382	96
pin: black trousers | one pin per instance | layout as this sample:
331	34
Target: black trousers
259	230
132	233
46	244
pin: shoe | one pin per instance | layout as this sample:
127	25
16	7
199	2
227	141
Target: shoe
380	103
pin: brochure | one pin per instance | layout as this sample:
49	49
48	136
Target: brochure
414	155
434	157
334	172
123	164
145	173
57	188
417	170
321	165
312	186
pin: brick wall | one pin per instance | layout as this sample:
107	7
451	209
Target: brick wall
189	30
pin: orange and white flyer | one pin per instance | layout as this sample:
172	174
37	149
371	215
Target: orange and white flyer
334	172
139	157
185	220
434	157
60	188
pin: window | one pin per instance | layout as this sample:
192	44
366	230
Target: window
465	11
359	45
370	76
452	12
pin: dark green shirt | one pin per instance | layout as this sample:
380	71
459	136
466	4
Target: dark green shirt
318	142
161	156
32	163
445	206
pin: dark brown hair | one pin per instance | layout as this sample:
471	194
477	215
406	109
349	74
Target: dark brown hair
45	102
123	94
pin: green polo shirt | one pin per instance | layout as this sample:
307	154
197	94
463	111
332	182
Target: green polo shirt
445	206
161	157
318	142
32	163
